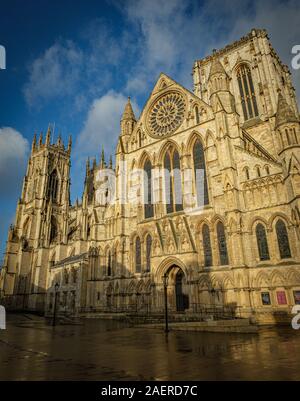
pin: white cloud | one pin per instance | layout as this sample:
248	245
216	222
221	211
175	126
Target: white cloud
54	74
174	33
102	125
13	158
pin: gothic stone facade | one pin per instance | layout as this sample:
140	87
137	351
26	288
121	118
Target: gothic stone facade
241	249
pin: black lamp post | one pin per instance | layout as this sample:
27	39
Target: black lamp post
56	287
165	279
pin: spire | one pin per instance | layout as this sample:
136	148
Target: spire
59	141
102	160
285	114
41	139
128	120
128	113
33	146
70	144
110	163
94	163
48	136
87	170
216	67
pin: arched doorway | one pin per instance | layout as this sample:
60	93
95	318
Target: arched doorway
182	299
178	297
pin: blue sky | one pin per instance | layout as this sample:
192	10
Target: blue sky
75	62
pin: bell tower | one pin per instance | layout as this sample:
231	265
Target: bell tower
40	223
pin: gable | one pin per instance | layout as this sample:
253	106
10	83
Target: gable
170	108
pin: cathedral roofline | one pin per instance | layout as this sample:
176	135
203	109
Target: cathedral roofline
255	32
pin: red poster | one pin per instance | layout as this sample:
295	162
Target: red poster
281	298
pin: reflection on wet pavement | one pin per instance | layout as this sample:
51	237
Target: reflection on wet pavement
110	350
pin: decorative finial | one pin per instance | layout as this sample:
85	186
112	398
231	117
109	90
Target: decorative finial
33	146
70	143
41	139
87	171
102	161
48	135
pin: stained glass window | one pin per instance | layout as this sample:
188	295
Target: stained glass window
200	174
177	189
262	242
148	252
222	244
247	93
109	264
138	264
173	188
283	240
206	246
168	184
148	205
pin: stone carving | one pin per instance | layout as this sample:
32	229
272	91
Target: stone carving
166	114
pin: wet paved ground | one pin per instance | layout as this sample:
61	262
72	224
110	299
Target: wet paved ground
108	350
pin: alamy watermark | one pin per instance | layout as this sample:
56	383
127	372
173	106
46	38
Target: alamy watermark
2	318
296	318
139	187
296	59
2	58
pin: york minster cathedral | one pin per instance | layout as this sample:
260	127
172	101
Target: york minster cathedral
227	238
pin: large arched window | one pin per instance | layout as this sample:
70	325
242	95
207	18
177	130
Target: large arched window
200	174
262	242
148	196
247	93
53	229
52	190
173	185
222	244
283	240
206	246
109	263
138	257
148	252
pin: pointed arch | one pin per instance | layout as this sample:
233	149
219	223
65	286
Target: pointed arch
52	189
247	93
200	175
222	244
148	190
197	115
206	246
108	263
246	173
173	183
262	242
148	252
283	240
138	255
261	280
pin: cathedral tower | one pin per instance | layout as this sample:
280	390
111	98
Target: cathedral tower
40	223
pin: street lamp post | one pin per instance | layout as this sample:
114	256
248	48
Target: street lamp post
165	279
55	302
